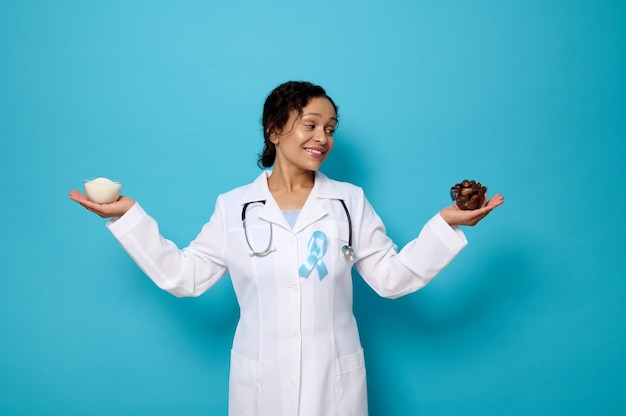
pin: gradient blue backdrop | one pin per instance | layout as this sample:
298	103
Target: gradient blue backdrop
526	96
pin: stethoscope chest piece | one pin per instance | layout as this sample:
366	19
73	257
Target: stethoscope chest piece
348	253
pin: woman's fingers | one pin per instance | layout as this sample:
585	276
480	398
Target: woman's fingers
114	209
453	215
495	201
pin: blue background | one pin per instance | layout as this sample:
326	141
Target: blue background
528	97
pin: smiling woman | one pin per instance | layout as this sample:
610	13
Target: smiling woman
296	349
300	152
283	107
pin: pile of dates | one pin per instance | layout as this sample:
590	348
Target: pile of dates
468	194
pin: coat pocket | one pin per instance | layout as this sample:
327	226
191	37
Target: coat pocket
243	396
351	385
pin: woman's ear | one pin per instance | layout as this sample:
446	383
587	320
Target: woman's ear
274	136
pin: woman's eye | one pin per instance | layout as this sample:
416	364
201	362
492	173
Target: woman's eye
310	126
330	131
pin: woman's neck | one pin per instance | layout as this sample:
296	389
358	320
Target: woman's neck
290	190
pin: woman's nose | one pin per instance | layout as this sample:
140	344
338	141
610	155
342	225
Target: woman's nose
320	135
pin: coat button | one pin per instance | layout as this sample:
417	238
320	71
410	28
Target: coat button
295	337
291	240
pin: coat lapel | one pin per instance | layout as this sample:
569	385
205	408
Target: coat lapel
259	191
313	209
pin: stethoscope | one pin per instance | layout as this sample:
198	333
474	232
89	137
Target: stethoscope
346	249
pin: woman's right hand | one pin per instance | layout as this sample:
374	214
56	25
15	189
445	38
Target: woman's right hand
114	209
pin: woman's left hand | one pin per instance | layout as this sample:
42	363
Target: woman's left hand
454	215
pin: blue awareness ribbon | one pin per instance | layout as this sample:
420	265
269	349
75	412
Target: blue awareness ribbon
314	258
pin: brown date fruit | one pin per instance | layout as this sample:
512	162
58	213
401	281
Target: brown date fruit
468	194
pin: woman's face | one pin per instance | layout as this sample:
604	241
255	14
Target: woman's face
307	139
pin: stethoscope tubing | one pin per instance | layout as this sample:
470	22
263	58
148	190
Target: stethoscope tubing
269	247
347	250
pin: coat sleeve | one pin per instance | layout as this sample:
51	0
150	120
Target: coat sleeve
187	272
391	273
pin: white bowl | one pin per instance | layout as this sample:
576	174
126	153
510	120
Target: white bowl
102	190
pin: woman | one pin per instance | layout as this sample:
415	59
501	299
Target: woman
289	241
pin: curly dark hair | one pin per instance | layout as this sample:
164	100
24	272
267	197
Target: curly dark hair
287	97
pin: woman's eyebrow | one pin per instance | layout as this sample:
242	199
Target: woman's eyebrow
318	115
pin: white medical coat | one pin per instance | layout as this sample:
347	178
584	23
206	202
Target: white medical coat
296	349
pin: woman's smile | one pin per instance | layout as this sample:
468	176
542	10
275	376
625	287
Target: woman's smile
316	153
